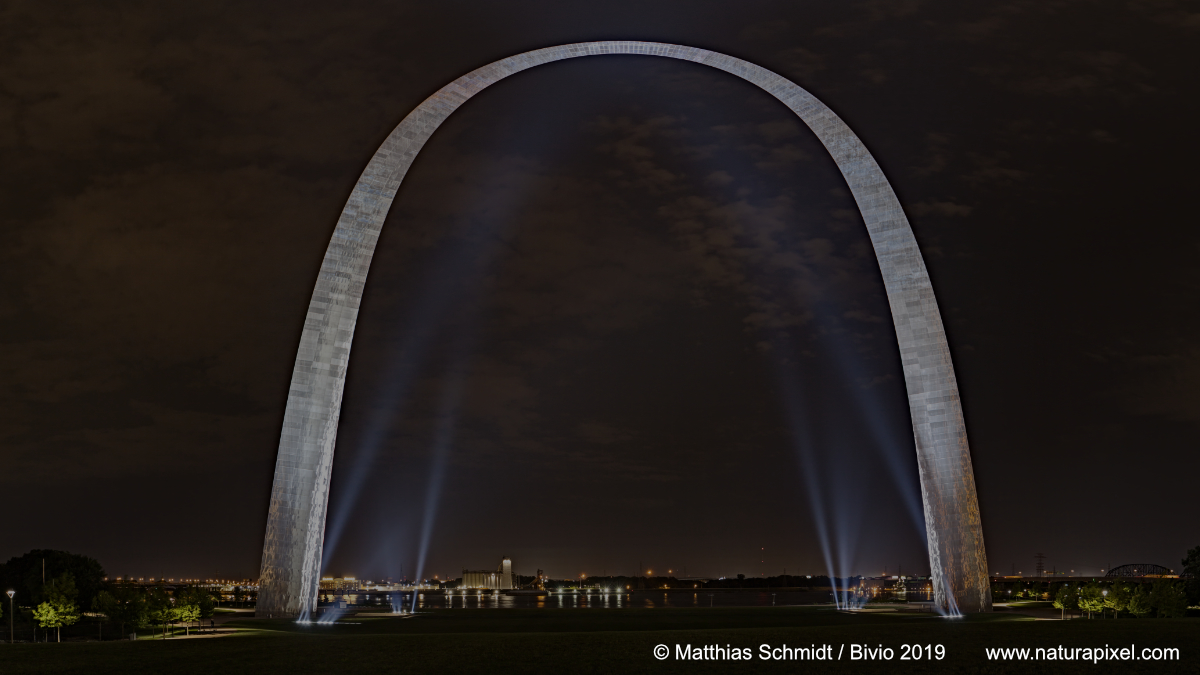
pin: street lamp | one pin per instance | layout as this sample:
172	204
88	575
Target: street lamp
11	593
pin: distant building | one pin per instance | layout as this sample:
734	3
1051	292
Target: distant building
500	580
340	584
900	585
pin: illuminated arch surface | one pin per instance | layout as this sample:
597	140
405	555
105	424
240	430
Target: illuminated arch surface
291	562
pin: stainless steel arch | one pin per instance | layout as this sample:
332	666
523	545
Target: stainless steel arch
296	522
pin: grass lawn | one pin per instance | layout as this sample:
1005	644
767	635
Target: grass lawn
617	640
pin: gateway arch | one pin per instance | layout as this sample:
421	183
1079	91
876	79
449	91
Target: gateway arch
291	560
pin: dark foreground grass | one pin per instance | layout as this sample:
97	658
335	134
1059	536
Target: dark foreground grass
612	641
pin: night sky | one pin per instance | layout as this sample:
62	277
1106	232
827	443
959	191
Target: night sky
602	284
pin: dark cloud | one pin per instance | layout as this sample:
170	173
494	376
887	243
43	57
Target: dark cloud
1093	72
800	63
949	209
881	10
622	257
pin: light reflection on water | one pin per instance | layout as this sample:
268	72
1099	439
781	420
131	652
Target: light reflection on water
592	599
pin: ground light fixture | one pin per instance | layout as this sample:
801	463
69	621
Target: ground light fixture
11	593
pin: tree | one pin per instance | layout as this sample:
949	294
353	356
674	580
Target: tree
1065	599
68	614
60	596
201	598
47	616
1118	598
1168	599
187	614
25	574
62	590
160	608
123	604
1139	602
106	604
1191	569
1091	598
1173	601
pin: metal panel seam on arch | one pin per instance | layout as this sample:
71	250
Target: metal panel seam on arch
295	531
